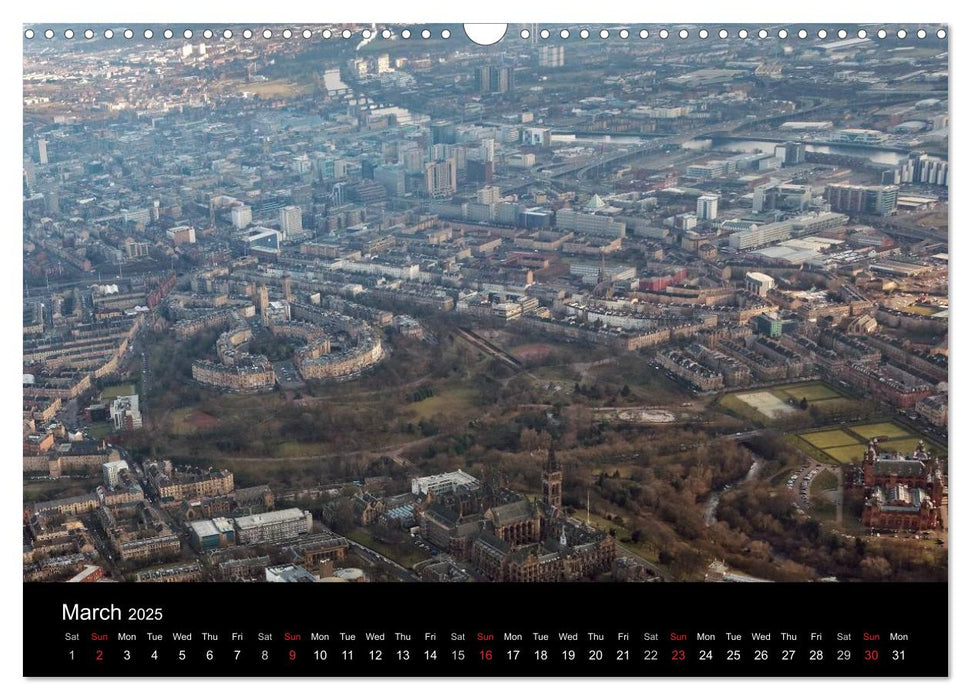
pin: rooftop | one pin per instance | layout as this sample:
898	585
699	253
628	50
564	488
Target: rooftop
271	518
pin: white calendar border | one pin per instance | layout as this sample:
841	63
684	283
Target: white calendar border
702	12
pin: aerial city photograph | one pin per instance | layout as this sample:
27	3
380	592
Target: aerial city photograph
363	303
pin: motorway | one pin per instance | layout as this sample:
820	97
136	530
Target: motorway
583	167
899	228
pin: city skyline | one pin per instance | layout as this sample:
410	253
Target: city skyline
642	307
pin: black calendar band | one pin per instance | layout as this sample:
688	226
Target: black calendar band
505	630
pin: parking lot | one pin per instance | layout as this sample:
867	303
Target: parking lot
424	545
800	483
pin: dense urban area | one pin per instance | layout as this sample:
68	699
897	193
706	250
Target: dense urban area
374	303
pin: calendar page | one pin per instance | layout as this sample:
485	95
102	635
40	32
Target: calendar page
550	350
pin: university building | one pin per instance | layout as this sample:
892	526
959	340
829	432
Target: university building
273	526
903	492
509	538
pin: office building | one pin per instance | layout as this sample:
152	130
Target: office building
707	207
487	150
181	235
760	235
242	216
392	178
791	153
446	483
878	200
263	239
443	132
858	137
782	196
488	195
536	136
441	178
289	573
30	174
125	414
291	221
593	224
494	79
111	472
920	168
135	249
212	534
758	283
551	56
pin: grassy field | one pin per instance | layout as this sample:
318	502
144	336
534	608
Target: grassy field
532	351
847	445
300	449
903	445
846	454
116	390
812	392
403	554
816	394
557	373
829	438
835	405
448	400
824	481
646	383
48	490
604	524
642	549
734	405
823	509
922	309
101	430
872	430
180	424
186	421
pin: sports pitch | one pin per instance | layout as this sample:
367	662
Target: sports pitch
766	403
780	401
826	439
811	392
847	445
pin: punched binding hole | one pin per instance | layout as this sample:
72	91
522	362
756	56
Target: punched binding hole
485	34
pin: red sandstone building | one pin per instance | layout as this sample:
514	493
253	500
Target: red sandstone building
903	492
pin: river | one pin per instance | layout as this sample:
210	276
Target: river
715	497
886	156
